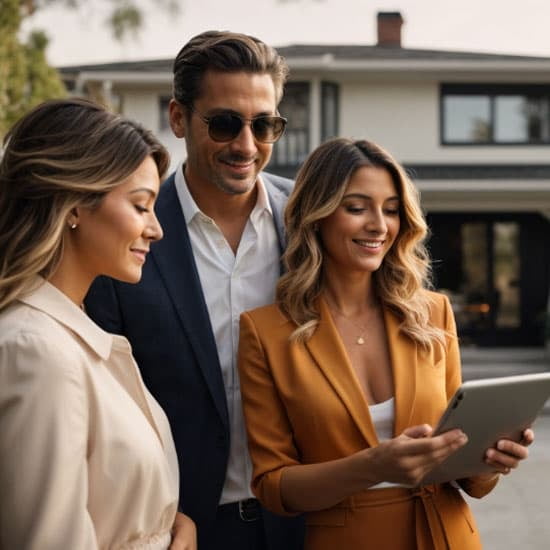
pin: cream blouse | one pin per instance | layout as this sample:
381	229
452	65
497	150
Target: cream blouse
87	459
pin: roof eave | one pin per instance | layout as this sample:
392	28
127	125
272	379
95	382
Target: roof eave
124	77
327	62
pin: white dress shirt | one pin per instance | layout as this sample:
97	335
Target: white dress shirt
233	283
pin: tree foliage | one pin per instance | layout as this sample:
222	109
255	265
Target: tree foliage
26	79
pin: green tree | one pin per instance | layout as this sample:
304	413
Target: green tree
20	67
26	79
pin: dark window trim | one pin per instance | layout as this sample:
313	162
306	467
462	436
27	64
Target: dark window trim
495	89
478	171
491	90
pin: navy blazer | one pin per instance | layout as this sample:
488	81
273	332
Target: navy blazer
166	320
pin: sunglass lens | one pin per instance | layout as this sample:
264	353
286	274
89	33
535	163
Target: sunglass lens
268	128
224	127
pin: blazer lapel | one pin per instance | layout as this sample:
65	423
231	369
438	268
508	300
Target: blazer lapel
330	355
173	256
403	356
277	201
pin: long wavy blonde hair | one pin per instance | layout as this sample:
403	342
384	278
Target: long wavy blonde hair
62	154
402	280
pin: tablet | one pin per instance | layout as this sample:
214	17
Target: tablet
488	410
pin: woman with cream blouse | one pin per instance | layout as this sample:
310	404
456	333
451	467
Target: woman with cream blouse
87	459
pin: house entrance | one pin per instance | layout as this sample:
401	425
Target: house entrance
495	270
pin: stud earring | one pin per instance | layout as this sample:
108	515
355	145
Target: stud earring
73	226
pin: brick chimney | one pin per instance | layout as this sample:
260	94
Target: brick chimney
389	28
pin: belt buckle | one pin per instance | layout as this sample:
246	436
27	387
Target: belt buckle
249	509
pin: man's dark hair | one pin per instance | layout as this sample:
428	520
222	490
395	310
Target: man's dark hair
224	52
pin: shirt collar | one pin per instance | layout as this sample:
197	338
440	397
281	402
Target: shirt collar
262	202
188	204
190	208
50	300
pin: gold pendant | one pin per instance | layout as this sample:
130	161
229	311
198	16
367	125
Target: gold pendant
360	340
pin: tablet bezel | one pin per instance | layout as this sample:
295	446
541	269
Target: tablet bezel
488	410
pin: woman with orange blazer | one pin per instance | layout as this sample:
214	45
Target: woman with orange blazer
343	378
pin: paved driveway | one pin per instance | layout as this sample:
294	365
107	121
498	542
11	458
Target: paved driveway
516	514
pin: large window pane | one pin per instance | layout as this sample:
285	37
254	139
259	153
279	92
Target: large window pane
467	118
474	313
537	118
521	119
506	274
511	118
544	117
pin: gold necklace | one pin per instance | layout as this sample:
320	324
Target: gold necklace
360	340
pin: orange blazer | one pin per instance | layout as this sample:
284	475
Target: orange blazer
303	404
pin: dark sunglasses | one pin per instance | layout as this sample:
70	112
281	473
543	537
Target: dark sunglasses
226	127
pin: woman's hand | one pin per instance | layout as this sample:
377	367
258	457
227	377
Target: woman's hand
184	533
506	455
407	458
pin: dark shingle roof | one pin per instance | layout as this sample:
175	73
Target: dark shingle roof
388	52
151	65
337	51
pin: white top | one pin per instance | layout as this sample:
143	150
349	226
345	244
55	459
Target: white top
87	459
383	418
232	284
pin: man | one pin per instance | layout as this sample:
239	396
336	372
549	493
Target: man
223	236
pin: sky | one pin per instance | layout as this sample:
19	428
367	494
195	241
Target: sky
495	26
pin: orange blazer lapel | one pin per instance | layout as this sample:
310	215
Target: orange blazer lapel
327	349
403	354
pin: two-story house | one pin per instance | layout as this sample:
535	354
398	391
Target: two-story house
473	129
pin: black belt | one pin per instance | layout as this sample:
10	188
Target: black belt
248	509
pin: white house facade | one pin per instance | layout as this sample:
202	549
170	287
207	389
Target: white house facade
473	129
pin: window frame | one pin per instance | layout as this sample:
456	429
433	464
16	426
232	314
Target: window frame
492	91
278	164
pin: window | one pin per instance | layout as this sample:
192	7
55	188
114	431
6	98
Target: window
293	147
164	122
495	114
329	110
467	119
